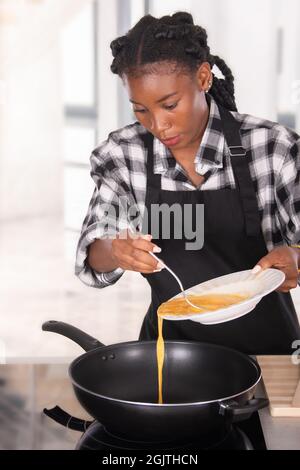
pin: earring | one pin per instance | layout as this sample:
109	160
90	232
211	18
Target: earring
209	86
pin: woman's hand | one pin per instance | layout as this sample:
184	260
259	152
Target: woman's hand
130	251
286	259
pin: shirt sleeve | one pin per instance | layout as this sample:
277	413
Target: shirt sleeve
107	212
288	195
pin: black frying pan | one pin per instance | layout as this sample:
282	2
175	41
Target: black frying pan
206	387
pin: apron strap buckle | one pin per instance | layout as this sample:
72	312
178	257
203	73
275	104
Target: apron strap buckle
236	152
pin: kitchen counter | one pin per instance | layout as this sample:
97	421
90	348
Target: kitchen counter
25	389
279	433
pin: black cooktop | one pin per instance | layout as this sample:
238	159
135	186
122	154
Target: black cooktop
97	438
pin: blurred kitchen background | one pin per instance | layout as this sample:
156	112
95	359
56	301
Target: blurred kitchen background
58	101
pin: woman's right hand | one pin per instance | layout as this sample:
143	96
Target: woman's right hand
130	251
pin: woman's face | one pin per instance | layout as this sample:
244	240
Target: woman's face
171	104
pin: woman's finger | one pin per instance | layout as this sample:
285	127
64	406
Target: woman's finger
144	257
145	245
137	263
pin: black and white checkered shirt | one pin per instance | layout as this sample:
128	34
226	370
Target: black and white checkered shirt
118	167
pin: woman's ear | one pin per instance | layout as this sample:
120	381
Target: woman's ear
204	76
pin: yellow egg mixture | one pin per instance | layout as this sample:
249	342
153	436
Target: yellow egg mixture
180	307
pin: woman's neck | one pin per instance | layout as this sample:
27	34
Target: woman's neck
187	155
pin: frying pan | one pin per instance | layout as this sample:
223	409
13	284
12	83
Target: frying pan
206	387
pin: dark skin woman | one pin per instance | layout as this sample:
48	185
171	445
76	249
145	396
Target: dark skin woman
166	66
184	113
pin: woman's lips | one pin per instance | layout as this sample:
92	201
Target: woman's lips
170	142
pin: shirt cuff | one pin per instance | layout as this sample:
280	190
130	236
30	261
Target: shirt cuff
92	278
83	270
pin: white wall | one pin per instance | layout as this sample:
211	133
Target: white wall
31	109
245	37
107	84
30	150
30	124
288	89
168	7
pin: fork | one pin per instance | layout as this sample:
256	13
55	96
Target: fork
200	307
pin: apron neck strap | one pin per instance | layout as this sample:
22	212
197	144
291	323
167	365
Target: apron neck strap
240	164
231	128
152	178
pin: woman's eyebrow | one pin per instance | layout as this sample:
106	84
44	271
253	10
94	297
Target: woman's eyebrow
160	99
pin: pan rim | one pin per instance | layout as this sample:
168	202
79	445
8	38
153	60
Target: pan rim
139	403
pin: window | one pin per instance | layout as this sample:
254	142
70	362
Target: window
84	64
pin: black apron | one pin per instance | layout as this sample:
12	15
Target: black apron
233	241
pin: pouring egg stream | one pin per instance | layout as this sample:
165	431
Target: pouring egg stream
180	307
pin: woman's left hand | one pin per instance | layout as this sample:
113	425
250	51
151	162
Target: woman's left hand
286	259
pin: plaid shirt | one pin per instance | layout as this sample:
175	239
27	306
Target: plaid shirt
118	168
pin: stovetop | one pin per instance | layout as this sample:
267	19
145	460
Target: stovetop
97	438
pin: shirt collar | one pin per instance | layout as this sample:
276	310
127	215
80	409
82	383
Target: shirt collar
209	155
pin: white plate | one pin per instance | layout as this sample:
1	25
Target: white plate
241	282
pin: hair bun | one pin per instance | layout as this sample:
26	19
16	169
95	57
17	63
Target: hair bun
182	17
117	45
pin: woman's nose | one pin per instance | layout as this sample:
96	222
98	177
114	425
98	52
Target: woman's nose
159	125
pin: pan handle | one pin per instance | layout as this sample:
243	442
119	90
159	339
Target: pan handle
84	340
237	412
62	417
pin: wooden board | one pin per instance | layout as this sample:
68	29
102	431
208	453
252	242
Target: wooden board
282	383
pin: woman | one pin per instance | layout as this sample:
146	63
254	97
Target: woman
244	170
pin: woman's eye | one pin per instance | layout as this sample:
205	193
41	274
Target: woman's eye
171	106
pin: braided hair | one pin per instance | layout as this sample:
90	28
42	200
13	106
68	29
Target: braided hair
173	40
